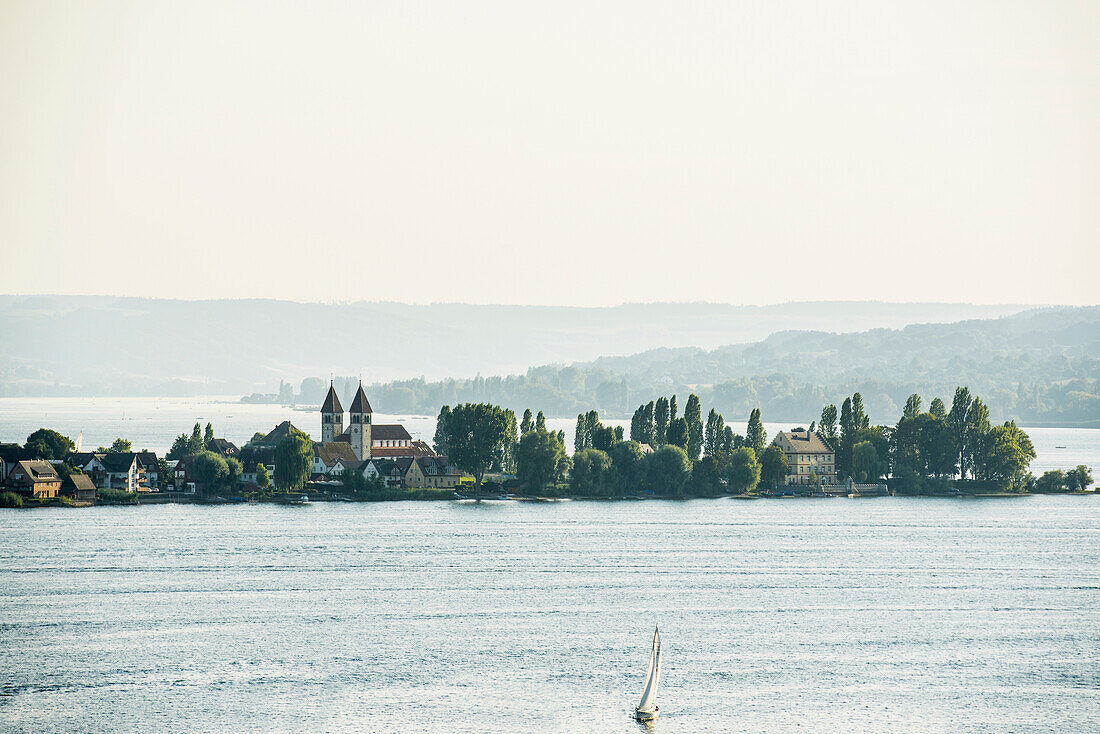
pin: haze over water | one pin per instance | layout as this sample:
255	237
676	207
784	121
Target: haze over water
892	614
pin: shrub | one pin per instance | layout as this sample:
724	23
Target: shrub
10	499
117	495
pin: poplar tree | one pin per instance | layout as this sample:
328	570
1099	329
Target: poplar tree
827	424
660	421
755	436
526	426
693	416
960	406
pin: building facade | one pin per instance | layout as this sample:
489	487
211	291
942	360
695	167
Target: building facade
810	458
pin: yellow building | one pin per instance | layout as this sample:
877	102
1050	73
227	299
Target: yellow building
808	454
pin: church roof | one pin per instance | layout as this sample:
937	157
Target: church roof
389	432
332	402
360	403
278	433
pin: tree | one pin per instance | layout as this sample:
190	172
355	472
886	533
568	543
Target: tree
293	456
49	444
667	470
693	415
1079	478
541	459
956	419
1007	453
196	443
755	436
480	436
773	465
744	470
1051	481
442	431
263	480
678	434
627	467
912	407
540	422
526	426
235	471
660	421
181	447
974	435
671	409
604	436
866	466
580	435
847	439
210	471
938	409
714	433
589	473
209	435
859	418
827	424
119	446
511	443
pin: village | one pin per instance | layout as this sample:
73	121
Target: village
383	455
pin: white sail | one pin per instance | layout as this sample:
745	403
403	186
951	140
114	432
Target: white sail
653	677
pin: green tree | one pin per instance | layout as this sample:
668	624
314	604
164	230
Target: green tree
589	474
678	434
1051	481
442	431
541	459
209	435
713	433
912	407
479	437
263	479
210	470
181	447
660	421
859	417
604	436
755	436
773	466
827	424
235	471
511	443
975	436
848	428
527	425
196	444
938	409
693	415
1079	478
540	422
671	409
744	470
1008	451
293	457
866	466
119	446
49	444
956	419
667	470
627	467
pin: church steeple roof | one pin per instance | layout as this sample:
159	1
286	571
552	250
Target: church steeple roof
360	403
332	403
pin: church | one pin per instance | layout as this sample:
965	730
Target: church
368	440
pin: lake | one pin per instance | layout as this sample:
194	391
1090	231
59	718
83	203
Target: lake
152	423
889	614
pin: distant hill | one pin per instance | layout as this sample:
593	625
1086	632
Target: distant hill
87	345
1042	365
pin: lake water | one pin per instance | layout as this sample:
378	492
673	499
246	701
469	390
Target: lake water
890	614
152	423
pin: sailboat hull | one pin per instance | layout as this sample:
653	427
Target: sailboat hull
647	715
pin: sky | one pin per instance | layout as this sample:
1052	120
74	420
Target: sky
552	153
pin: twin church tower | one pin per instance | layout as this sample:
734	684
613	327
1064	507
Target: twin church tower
358	432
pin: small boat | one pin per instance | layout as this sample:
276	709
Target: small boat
647	709
1059	447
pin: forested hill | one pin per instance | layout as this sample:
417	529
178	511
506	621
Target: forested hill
1040	366
84	345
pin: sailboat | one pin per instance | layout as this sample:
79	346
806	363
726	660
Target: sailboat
647	709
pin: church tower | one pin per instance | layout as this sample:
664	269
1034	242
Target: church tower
359	429
332	416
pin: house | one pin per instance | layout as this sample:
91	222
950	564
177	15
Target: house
78	487
122	471
10	456
807	454
35	478
251	455
151	464
182	477
326	456
432	471
646	448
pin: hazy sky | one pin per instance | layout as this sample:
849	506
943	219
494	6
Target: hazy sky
552	152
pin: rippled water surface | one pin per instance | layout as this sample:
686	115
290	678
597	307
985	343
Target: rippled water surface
885	614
